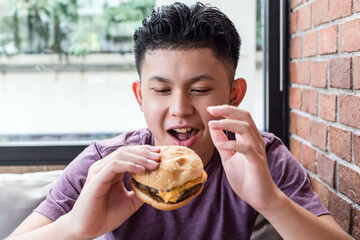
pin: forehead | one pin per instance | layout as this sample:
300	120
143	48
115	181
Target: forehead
182	64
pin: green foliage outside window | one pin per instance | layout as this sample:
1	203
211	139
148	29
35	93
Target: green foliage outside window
58	26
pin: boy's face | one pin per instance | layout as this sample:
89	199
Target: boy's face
176	88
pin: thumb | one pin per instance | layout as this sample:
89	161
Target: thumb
217	137
137	203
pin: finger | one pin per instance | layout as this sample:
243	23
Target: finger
146	156
241	147
101	181
240	127
219	136
116	168
232	112
151	152
147	163
147	151
137	203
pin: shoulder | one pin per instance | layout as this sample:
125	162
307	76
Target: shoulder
271	139
275	148
283	166
285	170
101	148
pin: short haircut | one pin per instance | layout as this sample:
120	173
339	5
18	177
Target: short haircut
181	27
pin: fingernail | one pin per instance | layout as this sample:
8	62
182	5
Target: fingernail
212	123
155	149
153	164
155	156
212	107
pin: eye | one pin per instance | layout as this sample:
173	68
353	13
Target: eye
200	91
161	91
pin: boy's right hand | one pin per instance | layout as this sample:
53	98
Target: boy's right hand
104	203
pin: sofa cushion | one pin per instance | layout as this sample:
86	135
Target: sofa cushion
20	194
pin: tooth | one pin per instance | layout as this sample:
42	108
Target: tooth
182	130
193	132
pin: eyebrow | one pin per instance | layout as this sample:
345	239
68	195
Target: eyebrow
189	81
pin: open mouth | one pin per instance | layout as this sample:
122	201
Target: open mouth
183	134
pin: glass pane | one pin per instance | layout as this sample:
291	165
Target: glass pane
67	67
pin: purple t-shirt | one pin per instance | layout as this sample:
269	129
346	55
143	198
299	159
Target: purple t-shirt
217	213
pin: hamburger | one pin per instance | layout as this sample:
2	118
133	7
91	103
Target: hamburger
178	179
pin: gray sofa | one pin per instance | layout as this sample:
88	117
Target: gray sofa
21	193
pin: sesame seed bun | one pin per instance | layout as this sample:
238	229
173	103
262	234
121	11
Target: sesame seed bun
178	179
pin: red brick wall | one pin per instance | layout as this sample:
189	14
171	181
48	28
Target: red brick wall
325	102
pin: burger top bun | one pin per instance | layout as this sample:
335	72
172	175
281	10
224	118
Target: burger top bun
186	165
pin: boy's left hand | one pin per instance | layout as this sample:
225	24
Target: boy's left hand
244	159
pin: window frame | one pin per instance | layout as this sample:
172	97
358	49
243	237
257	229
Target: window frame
276	71
40	155
276	75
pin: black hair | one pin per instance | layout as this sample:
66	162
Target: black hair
178	26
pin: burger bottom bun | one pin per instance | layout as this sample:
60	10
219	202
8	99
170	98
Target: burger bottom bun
162	205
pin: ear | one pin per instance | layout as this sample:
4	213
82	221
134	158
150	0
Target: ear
238	90
136	87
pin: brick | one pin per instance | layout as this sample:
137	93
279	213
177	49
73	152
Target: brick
304	17
328	40
293	117
296	47
310	44
356	223
319	135
348	182
309	101
295	3
340	210
328	107
340	8
295	98
303	127
326	169
357	5
293	22
350	35
309	158
340	74
340	142
303	71
295	148
322	191
349	110
319	74
356	72
293	72
320	12
356	149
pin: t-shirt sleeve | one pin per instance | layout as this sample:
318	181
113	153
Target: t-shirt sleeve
61	198
291	177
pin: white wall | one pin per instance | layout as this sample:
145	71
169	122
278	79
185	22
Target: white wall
43	101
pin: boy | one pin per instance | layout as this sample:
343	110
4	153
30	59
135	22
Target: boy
186	59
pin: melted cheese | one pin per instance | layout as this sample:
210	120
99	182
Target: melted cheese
174	194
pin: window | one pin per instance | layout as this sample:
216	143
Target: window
68	61
67	69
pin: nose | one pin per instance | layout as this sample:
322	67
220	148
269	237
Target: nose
180	105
